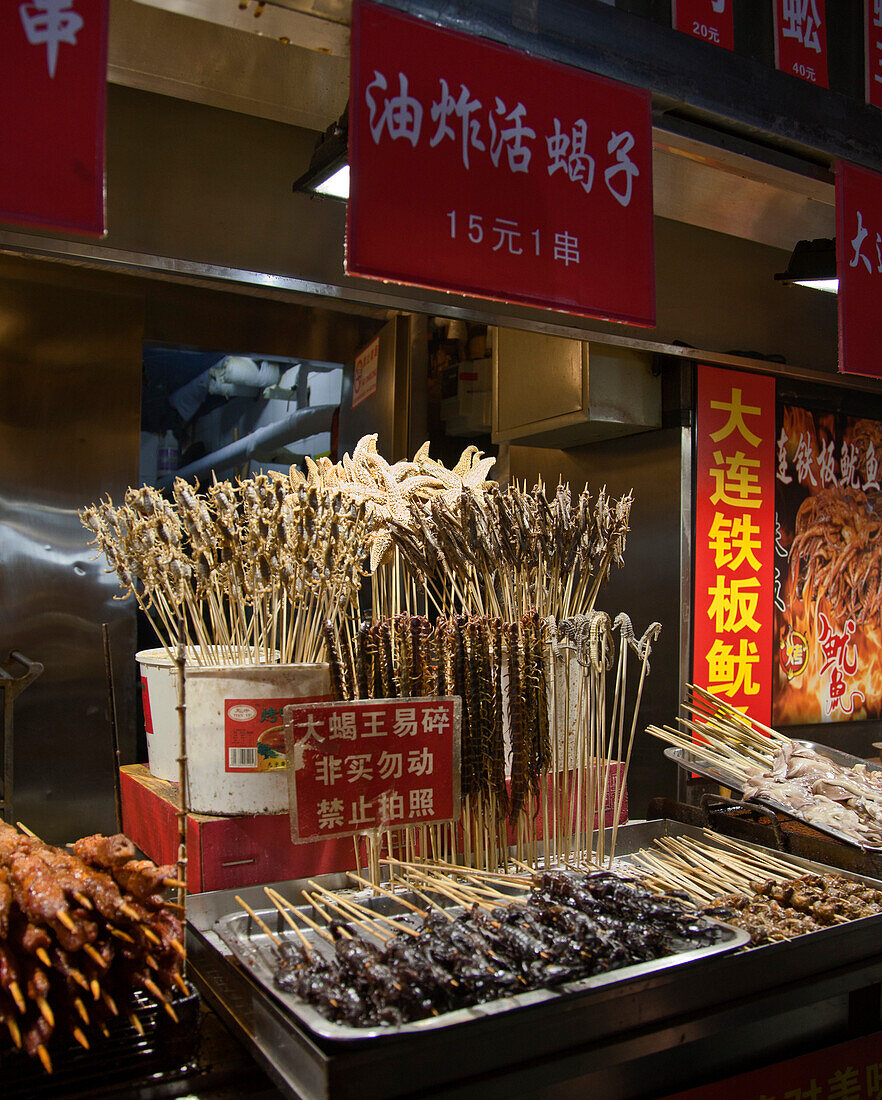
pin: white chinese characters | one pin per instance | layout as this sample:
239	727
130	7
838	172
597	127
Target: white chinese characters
500	130
50	23
370	764
802	22
506	235
860	254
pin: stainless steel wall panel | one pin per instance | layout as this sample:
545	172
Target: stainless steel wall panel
648	587
70	371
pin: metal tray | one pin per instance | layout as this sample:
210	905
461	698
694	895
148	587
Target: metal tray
254	950
689	762
602	1042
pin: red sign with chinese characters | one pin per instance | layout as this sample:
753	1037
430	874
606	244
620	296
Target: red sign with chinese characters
829	644
734	538
859	266
848	1071
52	86
711	20
801	39
372	764
484	171
873	51
364	381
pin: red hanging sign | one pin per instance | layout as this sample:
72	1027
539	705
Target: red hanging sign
801	39
372	764
873	50
364	380
710	20
734	538
484	171
52	86
847	1071
859	266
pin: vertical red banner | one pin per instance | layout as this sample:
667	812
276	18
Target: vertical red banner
710	20
801	39
734	538
873	50
53	77
859	266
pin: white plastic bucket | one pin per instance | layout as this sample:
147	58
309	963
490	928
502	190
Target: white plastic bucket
235	741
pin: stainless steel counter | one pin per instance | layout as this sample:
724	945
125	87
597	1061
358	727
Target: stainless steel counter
641	1038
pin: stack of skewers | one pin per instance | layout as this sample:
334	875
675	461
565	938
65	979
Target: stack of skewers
248	571
361	968
770	896
766	765
476	591
81	932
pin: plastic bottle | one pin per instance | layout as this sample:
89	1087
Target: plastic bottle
168	454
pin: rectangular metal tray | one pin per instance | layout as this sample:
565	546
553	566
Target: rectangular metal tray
254	950
690	762
587	1037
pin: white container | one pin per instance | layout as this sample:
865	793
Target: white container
235	740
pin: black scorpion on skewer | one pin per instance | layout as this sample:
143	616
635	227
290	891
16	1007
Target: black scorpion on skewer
572	925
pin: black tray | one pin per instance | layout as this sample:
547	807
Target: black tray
124	1058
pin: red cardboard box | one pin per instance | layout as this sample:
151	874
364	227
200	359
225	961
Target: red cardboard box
223	853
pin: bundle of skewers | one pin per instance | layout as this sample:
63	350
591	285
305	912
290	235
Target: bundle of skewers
250	569
476	591
764	764
82	933
537	742
470	943
770	896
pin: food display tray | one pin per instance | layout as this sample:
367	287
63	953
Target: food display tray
617	1039
691	762
254	950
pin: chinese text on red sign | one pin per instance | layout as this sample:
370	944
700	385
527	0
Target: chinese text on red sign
859	266
873	56
828	584
372	764
801	39
849	1071
484	171
364	379
52	86
734	538
710	20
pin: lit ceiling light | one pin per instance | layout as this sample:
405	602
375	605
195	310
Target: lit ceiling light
336	185
812	264
328	172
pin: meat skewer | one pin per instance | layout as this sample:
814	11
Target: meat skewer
68	926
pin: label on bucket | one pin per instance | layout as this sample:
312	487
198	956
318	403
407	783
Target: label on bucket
145	698
254	734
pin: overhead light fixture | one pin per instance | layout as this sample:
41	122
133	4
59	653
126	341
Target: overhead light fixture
812	264
328	172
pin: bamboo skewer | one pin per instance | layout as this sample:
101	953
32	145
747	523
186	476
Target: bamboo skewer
317	928
259	921
389	894
355	914
321	912
284	907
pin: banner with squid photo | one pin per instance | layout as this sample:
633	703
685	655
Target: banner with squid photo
828	567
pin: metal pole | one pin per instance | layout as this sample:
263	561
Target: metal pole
114	728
